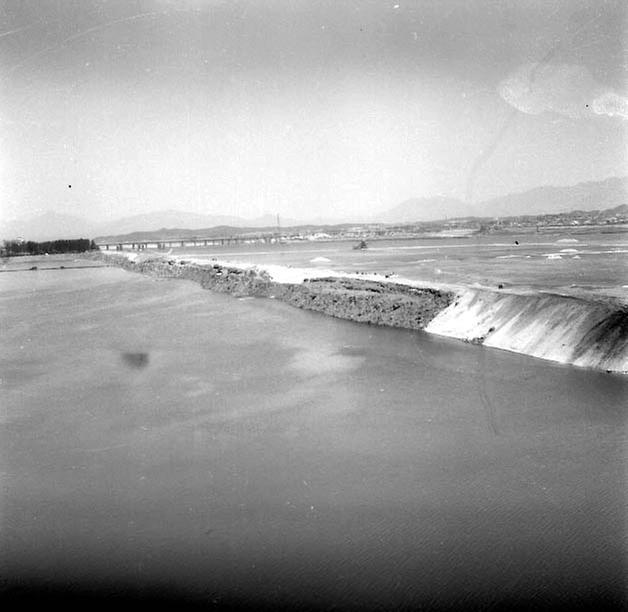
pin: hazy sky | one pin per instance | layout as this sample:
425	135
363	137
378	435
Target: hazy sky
304	108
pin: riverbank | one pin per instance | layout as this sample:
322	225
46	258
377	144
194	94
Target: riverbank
564	329
365	300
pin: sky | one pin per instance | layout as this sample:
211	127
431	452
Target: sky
304	108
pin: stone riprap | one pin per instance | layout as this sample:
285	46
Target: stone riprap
364	301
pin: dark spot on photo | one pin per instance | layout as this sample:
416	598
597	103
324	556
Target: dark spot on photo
135	360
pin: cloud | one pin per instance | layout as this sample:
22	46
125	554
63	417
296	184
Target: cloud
565	89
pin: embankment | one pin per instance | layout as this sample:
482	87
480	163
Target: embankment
558	328
362	300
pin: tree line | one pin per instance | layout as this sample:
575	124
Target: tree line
50	247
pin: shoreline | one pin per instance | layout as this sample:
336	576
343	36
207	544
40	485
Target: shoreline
360	298
550	326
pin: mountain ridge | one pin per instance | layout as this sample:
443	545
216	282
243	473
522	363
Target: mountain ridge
547	199
589	195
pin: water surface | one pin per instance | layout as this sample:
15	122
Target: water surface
590	264
161	439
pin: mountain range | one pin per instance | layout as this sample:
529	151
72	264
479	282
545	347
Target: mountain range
51	225
592	195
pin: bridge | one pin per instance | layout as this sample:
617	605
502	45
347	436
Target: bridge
167	243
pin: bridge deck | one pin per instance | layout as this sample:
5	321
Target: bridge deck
181	242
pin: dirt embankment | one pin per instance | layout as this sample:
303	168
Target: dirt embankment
370	301
365	301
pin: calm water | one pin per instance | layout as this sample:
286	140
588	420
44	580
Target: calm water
158	439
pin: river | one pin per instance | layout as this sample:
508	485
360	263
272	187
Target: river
162	441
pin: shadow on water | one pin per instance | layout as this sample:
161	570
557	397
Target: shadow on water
136	361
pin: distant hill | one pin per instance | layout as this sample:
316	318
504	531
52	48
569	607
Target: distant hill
52	225
214	232
618	210
593	195
426	209
166	218
598	195
181	219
